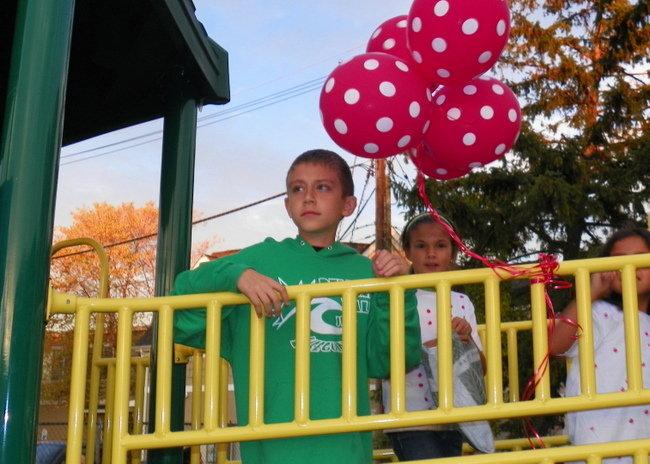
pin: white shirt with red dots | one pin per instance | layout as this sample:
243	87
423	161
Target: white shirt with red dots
612	424
418	394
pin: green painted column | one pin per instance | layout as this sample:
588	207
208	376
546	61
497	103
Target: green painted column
174	238
29	153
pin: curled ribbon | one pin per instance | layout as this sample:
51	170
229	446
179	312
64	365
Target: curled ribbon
542	273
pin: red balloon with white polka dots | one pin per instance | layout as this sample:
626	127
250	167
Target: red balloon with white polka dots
473	124
375	105
390	37
454	41
432	166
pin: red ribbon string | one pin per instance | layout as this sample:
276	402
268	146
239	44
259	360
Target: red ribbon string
542	273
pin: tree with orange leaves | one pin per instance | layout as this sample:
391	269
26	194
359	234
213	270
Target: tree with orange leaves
128	234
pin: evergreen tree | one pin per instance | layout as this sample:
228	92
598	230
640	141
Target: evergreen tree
581	164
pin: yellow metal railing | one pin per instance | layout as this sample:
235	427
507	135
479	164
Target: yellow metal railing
210	428
98	364
196	356
78	378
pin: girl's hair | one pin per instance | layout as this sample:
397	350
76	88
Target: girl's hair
621	234
417	220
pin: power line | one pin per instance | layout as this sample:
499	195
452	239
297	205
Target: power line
256	104
259	107
318	82
198	221
337	55
65	163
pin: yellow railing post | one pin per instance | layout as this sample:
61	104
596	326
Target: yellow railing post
213	373
98	340
301	389
586	338
222	448
256	377
494	380
631	318
122	385
77	386
445	355
540	342
138	410
197	400
107	433
164	372
397	346
513	363
349	341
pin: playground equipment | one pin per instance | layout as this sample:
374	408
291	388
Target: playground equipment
100	66
63	58
209	414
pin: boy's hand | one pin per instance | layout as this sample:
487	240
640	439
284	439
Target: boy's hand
462	328
386	264
266	295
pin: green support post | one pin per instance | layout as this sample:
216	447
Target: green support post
174	241
29	154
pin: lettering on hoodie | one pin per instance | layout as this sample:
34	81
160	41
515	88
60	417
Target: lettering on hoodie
326	321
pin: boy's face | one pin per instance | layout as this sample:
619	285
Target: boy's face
315	202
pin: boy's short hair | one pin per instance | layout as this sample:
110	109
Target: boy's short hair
332	160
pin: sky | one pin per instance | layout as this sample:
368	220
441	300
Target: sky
280	51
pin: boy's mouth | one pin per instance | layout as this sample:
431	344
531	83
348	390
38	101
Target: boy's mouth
309	213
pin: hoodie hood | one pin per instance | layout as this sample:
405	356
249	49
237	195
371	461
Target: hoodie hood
301	246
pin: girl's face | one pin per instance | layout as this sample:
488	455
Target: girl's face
633	245
430	249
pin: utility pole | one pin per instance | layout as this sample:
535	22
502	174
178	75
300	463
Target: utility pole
383	236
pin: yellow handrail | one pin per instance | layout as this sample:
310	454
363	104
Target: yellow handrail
214	430
77	390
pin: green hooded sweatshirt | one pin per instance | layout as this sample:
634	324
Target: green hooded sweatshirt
295	262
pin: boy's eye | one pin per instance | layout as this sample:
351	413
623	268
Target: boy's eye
297	188
323	187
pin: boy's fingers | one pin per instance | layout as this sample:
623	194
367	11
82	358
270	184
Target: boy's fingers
380	258
269	304
390	269
276	301
282	290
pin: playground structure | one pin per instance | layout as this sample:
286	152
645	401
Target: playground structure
124	438
59	62
100	66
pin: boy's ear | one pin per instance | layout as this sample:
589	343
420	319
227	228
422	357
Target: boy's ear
286	205
349	205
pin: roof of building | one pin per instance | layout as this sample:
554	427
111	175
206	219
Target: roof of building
126	59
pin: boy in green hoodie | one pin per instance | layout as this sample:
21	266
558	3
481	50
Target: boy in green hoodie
320	192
